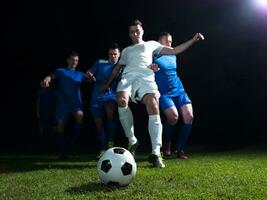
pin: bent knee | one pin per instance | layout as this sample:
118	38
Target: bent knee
172	120
122	101
79	117
188	118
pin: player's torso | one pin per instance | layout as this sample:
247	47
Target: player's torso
69	81
104	71
166	78
139	57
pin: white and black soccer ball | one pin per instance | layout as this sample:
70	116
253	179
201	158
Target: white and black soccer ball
116	165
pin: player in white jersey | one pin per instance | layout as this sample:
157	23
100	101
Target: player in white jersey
138	83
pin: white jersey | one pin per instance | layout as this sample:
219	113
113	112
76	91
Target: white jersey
138	58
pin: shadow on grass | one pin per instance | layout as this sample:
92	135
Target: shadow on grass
13	164
94	187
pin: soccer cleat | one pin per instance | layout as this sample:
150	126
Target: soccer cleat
181	154
156	161
133	147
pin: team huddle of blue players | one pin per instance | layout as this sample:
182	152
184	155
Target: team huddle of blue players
116	80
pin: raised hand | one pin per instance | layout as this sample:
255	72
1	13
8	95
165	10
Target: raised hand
198	36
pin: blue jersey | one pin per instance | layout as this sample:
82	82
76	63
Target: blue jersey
166	78
69	81
102	71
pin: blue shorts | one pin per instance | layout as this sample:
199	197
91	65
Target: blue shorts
65	108
99	104
166	101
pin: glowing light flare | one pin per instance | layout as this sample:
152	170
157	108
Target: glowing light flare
261	4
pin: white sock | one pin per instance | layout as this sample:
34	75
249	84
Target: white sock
126	119
155	132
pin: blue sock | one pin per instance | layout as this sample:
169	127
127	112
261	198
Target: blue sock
183	136
168	129
111	126
101	140
61	137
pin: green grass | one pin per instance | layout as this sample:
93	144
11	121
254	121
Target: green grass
237	174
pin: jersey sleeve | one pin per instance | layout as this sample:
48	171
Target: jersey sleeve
156	47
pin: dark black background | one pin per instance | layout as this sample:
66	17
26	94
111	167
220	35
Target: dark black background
225	75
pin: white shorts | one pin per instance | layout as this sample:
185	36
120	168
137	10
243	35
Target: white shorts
137	85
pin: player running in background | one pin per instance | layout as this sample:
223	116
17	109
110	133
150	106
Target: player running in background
173	97
104	104
69	100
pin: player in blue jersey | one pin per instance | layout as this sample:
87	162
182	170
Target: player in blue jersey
173	100
138	83
103	104
69	100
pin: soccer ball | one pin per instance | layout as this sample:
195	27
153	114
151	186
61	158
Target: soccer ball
116	165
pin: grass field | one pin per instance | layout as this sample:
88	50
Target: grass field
235	174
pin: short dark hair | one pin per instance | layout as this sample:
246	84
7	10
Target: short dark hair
163	34
72	54
135	22
113	45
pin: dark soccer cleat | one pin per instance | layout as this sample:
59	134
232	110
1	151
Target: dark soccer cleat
156	161
181	154
133	147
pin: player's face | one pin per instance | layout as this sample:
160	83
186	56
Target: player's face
113	55
136	33
166	40
73	61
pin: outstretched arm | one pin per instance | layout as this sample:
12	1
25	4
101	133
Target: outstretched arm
182	47
115	73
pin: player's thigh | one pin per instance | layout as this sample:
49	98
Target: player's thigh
184	104
146	88
124	90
